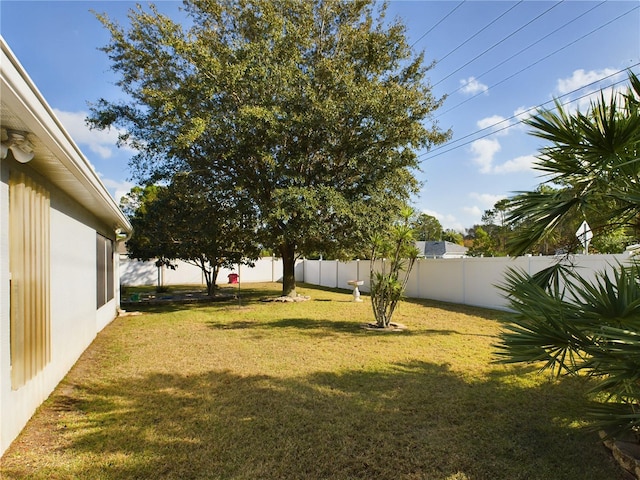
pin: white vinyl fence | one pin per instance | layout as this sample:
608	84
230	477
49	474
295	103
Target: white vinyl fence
137	273
466	281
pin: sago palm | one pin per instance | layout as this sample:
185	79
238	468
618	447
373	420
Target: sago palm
571	324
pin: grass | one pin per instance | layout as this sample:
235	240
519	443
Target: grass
292	391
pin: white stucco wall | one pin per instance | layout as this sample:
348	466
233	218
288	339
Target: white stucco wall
75	320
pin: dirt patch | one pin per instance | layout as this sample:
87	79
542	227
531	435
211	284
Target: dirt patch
393	327
286	299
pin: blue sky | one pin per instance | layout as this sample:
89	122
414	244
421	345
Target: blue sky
495	62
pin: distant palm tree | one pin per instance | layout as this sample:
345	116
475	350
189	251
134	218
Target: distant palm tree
569	323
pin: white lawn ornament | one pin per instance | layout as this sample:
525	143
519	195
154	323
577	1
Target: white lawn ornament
356	292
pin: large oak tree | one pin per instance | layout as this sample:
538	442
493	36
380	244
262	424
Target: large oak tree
313	111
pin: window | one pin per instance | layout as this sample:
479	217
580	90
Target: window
104	268
29	247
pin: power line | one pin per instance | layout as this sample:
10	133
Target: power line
480	31
500	42
537	61
531	45
493	132
438	23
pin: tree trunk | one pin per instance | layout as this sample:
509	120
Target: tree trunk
288	253
213	278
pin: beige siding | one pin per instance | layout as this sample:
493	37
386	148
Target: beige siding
29	264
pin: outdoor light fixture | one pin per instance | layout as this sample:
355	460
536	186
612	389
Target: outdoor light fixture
17	142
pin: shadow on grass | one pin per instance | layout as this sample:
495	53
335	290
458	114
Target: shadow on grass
324	327
231	297
486	313
305	324
414	420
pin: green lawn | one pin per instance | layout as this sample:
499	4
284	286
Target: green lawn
301	391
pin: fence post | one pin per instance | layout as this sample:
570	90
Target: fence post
464	281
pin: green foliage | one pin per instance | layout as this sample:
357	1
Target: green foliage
427	227
569	323
483	244
452	236
593	157
312	111
185	220
396	251
573	325
494	222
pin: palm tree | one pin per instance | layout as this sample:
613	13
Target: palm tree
571	324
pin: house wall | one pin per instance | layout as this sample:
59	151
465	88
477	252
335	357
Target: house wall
75	320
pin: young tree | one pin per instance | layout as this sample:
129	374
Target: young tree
187	221
396	251
569	323
312	111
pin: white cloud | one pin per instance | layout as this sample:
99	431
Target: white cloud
580	78
518	164
117	188
471	86
474	211
101	142
521	114
483	202
483	151
447	221
483	155
487	200
496	123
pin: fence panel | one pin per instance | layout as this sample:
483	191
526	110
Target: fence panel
348	271
137	273
329	273
467	281
442	280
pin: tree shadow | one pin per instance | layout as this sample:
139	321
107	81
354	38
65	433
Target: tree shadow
484	313
413	420
306	325
326	327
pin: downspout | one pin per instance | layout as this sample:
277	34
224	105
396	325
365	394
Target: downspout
120	238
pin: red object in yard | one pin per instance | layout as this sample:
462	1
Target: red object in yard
233	278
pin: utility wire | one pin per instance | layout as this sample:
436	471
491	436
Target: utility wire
500	42
537	61
531	45
473	134
480	31
439	22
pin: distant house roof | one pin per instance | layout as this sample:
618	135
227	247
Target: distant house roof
444	249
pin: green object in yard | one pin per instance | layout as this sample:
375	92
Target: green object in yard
135	297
